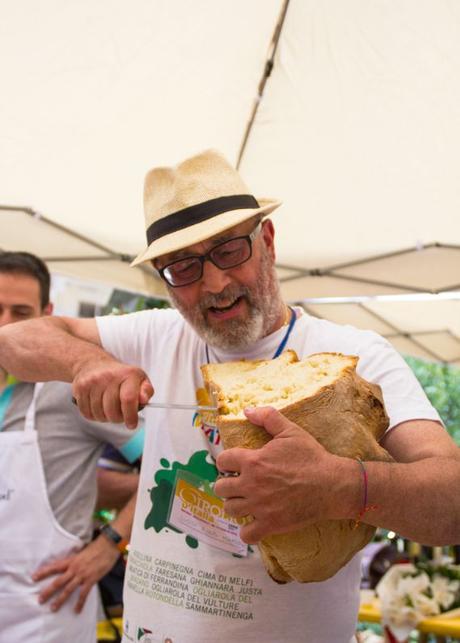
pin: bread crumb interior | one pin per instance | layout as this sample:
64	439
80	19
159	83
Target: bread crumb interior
274	383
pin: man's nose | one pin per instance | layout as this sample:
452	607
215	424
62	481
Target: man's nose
214	279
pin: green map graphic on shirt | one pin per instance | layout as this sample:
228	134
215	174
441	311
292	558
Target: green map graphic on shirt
165	479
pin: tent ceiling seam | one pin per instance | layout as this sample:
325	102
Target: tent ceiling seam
322	273
268	67
372	259
408	335
58	226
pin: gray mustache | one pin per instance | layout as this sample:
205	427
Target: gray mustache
229	294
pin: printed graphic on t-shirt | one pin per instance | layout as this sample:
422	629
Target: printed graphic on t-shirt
210	431
197	511
184	587
143	635
205	422
162	493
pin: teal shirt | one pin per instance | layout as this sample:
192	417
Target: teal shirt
5	397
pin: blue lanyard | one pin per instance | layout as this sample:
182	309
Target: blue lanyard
283	343
292	321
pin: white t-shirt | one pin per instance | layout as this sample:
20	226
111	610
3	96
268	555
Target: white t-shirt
184	591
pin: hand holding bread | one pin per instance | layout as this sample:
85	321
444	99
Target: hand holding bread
292	465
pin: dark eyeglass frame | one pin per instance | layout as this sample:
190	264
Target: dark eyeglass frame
208	256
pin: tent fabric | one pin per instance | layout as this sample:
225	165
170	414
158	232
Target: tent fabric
69	254
426	329
356	128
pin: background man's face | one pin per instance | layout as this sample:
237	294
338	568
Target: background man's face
19	298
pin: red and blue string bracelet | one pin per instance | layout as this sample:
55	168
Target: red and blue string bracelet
366	507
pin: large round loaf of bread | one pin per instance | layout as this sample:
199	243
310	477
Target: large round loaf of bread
326	397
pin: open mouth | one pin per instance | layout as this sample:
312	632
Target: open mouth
223	310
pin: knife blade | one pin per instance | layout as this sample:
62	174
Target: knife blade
171	405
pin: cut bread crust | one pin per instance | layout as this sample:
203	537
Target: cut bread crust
325	396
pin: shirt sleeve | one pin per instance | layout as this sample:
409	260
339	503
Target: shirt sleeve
114	460
136	338
133	448
403	395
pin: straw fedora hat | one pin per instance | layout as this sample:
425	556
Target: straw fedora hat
193	201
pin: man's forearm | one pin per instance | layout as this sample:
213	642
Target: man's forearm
124	520
43	349
66	349
115	488
413	500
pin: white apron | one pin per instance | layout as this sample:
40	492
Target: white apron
29	537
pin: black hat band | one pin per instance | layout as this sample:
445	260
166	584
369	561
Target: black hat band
197	213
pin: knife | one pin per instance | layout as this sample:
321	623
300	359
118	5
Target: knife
172	405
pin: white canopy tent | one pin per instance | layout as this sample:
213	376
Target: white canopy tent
69	253
348	111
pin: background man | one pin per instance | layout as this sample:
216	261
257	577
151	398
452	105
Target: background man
48	456
208	239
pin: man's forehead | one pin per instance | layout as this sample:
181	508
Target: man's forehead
19	290
197	248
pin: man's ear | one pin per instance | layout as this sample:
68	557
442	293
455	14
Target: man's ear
268	232
48	309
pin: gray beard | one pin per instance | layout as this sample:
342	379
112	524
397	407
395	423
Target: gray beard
263	301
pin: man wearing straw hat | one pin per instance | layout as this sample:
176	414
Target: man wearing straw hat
210	241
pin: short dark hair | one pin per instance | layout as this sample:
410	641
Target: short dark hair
25	263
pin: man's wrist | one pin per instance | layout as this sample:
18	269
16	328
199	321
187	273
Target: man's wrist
114	537
347	489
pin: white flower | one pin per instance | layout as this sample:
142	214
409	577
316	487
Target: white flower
399	615
411	586
444	590
425	606
408	595
368	636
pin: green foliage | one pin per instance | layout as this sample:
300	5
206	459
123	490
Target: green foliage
144	303
451	572
122	302
441	383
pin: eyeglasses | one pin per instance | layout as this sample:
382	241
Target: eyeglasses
225	255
